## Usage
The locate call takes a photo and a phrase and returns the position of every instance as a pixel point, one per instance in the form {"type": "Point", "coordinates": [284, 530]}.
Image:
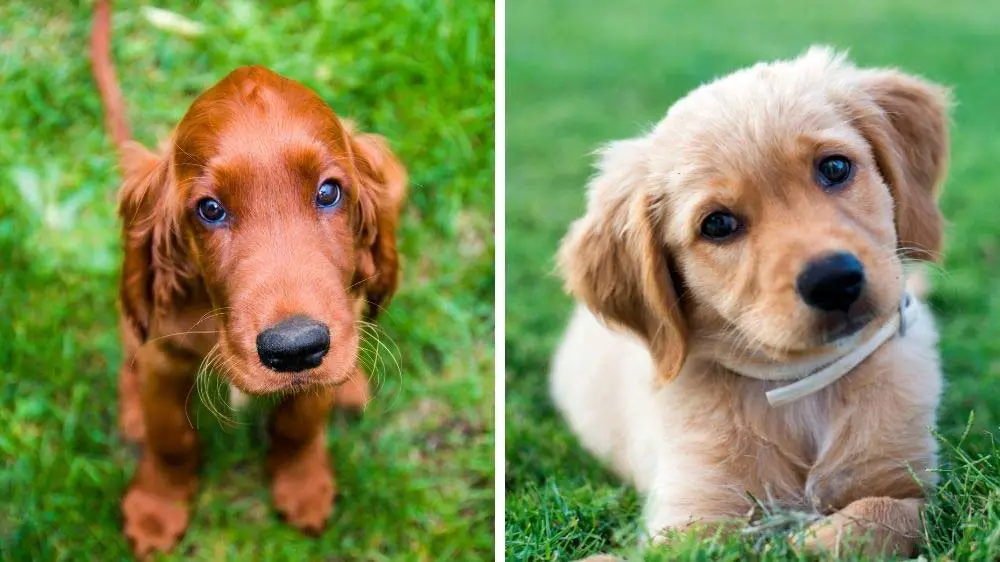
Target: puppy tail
{"type": "Point", "coordinates": [104, 74]}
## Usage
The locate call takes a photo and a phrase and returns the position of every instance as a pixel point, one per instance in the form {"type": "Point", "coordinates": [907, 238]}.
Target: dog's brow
{"type": "Point", "coordinates": [307, 159]}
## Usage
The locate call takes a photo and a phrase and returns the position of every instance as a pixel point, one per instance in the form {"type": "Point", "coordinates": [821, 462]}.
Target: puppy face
{"type": "Point", "coordinates": [786, 235]}
{"type": "Point", "coordinates": [287, 221]}
{"type": "Point", "coordinates": [768, 215]}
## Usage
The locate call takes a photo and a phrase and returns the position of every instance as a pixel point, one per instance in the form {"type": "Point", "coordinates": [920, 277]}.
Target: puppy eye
{"type": "Point", "coordinates": [329, 194]}
{"type": "Point", "coordinates": [211, 211]}
{"type": "Point", "coordinates": [720, 225]}
{"type": "Point", "coordinates": [834, 171]}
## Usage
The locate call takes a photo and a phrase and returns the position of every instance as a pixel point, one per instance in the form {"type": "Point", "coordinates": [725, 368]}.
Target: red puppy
{"type": "Point", "coordinates": [258, 238]}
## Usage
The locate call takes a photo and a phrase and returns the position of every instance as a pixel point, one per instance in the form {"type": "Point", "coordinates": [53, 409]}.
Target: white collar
{"type": "Point", "coordinates": [815, 374]}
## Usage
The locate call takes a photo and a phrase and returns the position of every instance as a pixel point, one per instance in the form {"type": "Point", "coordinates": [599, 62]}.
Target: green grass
{"type": "Point", "coordinates": [416, 472]}
{"type": "Point", "coordinates": [582, 72]}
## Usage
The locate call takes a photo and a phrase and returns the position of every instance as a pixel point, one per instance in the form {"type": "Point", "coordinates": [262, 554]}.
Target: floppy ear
{"type": "Point", "coordinates": [153, 268]}
{"type": "Point", "coordinates": [908, 130]}
{"type": "Point", "coordinates": [614, 261]}
{"type": "Point", "coordinates": [382, 191]}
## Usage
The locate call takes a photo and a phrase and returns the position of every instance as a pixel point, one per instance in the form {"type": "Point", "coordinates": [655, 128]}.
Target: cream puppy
{"type": "Point", "coordinates": [744, 326]}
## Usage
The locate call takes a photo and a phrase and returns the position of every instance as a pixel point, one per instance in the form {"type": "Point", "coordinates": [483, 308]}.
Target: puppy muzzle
{"type": "Point", "coordinates": [816, 373]}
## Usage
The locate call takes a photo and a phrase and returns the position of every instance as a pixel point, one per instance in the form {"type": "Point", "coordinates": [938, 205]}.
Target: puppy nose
{"type": "Point", "coordinates": [294, 344]}
{"type": "Point", "coordinates": [832, 282]}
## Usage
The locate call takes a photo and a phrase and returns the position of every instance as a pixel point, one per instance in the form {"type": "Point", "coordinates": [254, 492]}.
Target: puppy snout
{"type": "Point", "coordinates": [295, 344]}
{"type": "Point", "coordinates": [832, 282]}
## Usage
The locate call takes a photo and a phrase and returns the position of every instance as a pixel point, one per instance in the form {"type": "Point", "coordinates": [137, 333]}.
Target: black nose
{"type": "Point", "coordinates": [294, 344]}
{"type": "Point", "coordinates": [832, 282]}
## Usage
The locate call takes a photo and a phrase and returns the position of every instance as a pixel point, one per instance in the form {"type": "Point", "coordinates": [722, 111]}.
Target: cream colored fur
{"type": "Point", "coordinates": [696, 446]}
{"type": "Point", "coordinates": [642, 387]}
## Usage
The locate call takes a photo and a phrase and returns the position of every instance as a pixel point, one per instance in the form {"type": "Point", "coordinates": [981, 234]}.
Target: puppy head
{"type": "Point", "coordinates": [768, 215]}
{"type": "Point", "coordinates": [284, 217]}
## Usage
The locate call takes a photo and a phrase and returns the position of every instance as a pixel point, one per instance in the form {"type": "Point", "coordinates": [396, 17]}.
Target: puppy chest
{"type": "Point", "coordinates": [788, 445]}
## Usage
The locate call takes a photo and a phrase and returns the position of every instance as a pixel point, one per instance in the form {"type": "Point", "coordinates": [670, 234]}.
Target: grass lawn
{"type": "Point", "coordinates": [416, 471]}
{"type": "Point", "coordinates": [582, 72]}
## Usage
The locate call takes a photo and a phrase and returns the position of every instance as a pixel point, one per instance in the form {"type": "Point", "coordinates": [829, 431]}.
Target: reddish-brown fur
{"type": "Point", "coordinates": [260, 144]}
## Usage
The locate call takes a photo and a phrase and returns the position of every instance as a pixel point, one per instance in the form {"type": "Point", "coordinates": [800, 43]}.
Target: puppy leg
{"type": "Point", "coordinates": [302, 481]}
{"type": "Point", "coordinates": [156, 506]}
{"type": "Point", "coordinates": [871, 527]}
{"type": "Point", "coordinates": [130, 421]}
{"type": "Point", "coordinates": [694, 497]}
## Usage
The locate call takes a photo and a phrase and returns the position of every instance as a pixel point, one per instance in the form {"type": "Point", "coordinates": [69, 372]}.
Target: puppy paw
{"type": "Point", "coordinates": [870, 527]}
{"type": "Point", "coordinates": [836, 535]}
{"type": "Point", "coordinates": [153, 523]}
{"type": "Point", "coordinates": [303, 496]}
{"type": "Point", "coordinates": [822, 537]}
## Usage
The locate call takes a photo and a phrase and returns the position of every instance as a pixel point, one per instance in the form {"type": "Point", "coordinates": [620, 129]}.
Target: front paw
{"type": "Point", "coordinates": [303, 494]}
{"type": "Point", "coordinates": [871, 527]}
{"type": "Point", "coordinates": [835, 535]}
{"type": "Point", "coordinates": [153, 522]}
{"type": "Point", "coordinates": [822, 537]}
